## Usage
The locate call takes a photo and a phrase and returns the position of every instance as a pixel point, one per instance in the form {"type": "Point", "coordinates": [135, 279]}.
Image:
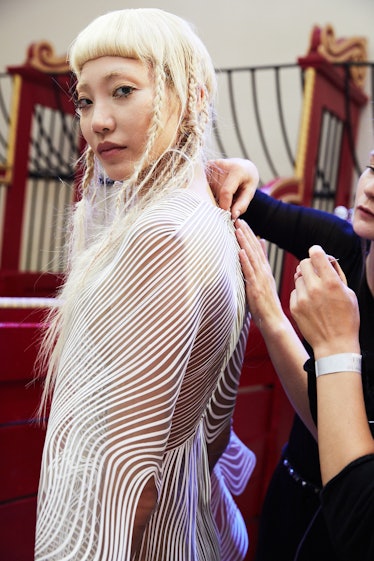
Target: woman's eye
{"type": "Point", "coordinates": [81, 104]}
{"type": "Point", "coordinates": [371, 167]}
{"type": "Point", "coordinates": [123, 91]}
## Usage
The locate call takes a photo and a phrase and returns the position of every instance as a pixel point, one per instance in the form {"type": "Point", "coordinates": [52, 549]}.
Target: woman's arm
{"type": "Point", "coordinates": [296, 228]}
{"type": "Point", "coordinates": [327, 313]}
{"type": "Point", "coordinates": [285, 349]}
{"type": "Point", "coordinates": [292, 227]}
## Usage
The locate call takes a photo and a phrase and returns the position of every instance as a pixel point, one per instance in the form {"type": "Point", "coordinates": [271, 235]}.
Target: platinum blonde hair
{"type": "Point", "coordinates": [180, 65]}
{"type": "Point", "coordinates": [157, 38]}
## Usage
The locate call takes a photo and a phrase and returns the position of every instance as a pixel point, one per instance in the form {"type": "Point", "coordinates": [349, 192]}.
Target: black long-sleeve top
{"type": "Point", "coordinates": [348, 499]}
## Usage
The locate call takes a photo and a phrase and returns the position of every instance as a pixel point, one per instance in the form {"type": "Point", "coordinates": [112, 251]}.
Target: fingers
{"type": "Point", "coordinates": [240, 203]}
{"type": "Point", "coordinates": [297, 274]}
{"type": "Point", "coordinates": [322, 305]}
{"type": "Point", "coordinates": [253, 258]}
{"type": "Point", "coordinates": [246, 254]}
{"type": "Point", "coordinates": [234, 182]}
{"type": "Point", "coordinates": [323, 263]}
{"type": "Point", "coordinates": [254, 248]}
{"type": "Point", "coordinates": [261, 290]}
{"type": "Point", "coordinates": [293, 300]}
{"type": "Point", "coordinates": [319, 283]}
{"type": "Point", "coordinates": [320, 264]}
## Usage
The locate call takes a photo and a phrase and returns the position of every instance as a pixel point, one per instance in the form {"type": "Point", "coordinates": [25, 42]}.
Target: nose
{"type": "Point", "coordinates": [102, 119]}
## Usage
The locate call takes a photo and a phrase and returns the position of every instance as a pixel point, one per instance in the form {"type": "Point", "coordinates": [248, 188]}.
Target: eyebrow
{"type": "Point", "coordinates": [108, 76]}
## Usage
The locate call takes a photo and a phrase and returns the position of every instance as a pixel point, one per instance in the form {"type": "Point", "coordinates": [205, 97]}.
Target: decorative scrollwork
{"type": "Point", "coordinates": [41, 55]}
{"type": "Point", "coordinates": [353, 49]}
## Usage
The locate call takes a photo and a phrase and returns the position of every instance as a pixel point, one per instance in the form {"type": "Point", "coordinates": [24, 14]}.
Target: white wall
{"type": "Point", "coordinates": [236, 32]}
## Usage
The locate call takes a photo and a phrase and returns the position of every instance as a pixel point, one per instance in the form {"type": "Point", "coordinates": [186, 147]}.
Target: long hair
{"type": "Point", "coordinates": [180, 65]}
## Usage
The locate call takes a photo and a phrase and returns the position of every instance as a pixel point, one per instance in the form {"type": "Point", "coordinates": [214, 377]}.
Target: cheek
{"type": "Point", "coordinates": [85, 129]}
{"type": "Point", "coordinates": [359, 190]}
{"type": "Point", "coordinates": [136, 126]}
{"type": "Point", "coordinates": [169, 129]}
{"type": "Point", "coordinates": [363, 225]}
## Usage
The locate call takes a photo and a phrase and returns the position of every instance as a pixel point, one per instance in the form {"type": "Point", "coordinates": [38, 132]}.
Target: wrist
{"type": "Point", "coordinates": [332, 347]}
{"type": "Point", "coordinates": [273, 323]}
{"type": "Point", "coordinates": [340, 362]}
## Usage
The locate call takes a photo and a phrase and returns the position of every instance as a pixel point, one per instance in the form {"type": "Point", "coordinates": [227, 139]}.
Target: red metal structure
{"type": "Point", "coordinates": [32, 210]}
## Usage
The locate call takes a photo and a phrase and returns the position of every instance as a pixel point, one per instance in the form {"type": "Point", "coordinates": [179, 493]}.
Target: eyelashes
{"type": "Point", "coordinates": [123, 91]}
{"type": "Point", "coordinates": [83, 102]}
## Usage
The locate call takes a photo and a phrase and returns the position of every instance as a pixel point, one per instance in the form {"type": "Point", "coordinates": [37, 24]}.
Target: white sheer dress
{"type": "Point", "coordinates": [144, 396]}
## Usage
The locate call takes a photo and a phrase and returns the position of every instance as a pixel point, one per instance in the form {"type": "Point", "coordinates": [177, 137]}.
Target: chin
{"type": "Point", "coordinates": [364, 230]}
{"type": "Point", "coordinates": [117, 173]}
{"type": "Point", "coordinates": [116, 176]}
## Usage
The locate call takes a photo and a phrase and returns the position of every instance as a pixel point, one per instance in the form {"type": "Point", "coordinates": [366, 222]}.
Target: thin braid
{"type": "Point", "coordinates": [189, 141]}
{"type": "Point", "coordinates": [198, 107]}
{"type": "Point", "coordinates": [205, 115]}
{"type": "Point", "coordinates": [192, 130]}
{"type": "Point", "coordinates": [144, 184]}
{"type": "Point", "coordinates": [192, 103]}
{"type": "Point", "coordinates": [89, 168]}
{"type": "Point", "coordinates": [160, 80]}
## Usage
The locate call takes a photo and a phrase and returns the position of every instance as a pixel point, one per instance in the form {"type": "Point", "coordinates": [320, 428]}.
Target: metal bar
{"type": "Point", "coordinates": [235, 117]}
{"type": "Point", "coordinates": [281, 117]}
{"type": "Point", "coordinates": [259, 126]}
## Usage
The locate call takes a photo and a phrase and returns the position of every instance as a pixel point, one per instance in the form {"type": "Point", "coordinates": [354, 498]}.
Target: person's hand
{"type": "Point", "coordinates": [261, 290]}
{"type": "Point", "coordinates": [233, 182]}
{"type": "Point", "coordinates": [322, 305]}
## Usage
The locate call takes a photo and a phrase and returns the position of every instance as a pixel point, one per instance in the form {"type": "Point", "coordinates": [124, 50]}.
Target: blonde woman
{"type": "Point", "coordinates": [146, 349]}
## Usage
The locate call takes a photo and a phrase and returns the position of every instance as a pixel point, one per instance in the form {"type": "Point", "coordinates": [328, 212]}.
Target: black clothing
{"type": "Point", "coordinates": [348, 507]}
{"type": "Point", "coordinates": [347, 499]}
{"type": "Point", "coordinates": [292, 525]}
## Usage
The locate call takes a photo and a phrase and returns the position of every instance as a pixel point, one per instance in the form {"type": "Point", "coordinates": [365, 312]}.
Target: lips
{"type": "Point", "coordinates": [108, 149]}
{"type": "Point", "coordinates": [365, 211]}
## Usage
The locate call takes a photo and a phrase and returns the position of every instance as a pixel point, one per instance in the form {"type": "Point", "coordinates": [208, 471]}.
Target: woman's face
{"type": "Point", "coordinates": [115, 104]}
{"type": "Point", "coordinates": [363, 215]}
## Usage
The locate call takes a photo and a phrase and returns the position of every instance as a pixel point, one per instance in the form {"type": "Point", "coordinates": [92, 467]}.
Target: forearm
{"type": "Point", "coordinates": [295, 228]}
{"type": "Point", "coordinates": [327, 313]}
{"type": "Point", "coordinates": [343, 429]}
{"type": "Point", "coordinates": [288, 356]}
{"type": "Point", "coordinates": [285, 349]}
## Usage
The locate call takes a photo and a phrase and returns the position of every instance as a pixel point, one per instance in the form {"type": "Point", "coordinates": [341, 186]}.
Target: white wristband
{"type": "Point", "coordinates": [344, 362]}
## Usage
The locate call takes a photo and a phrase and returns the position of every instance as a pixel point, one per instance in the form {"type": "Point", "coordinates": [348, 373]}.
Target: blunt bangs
{"type": "Point", "coordinates": [152, 36]}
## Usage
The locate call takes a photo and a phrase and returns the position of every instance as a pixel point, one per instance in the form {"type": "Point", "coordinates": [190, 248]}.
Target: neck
{"type": "Point", "coordinates": [200, 184]}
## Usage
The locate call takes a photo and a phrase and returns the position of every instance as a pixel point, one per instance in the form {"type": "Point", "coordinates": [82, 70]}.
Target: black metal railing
{"type": "Point", "coordinates": [257, 107]}
{"type": "Point", "coordinates": [5, 102]}
{"type": "Point", "coordinates": [259, 110]}
{"type": "Point", "coordinates": [259, 114]}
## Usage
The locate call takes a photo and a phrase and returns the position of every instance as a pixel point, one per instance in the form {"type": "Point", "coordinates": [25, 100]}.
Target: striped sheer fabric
{"type": "Point", "coordinates": [144, 395]}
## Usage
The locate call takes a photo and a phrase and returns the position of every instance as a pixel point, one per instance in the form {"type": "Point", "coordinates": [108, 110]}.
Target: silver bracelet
{"type": "Point", "coordinates": [344, 362]}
